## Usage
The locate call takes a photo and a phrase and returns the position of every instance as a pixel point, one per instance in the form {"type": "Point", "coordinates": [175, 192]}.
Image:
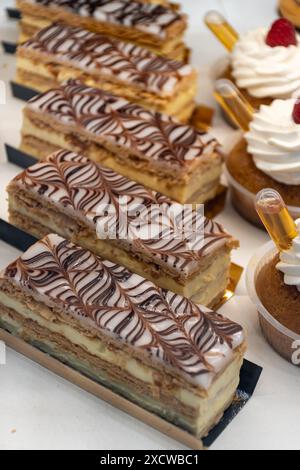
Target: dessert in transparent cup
{"type": "Point", "coordinates": [283, 340]}
{"type": "Point", "coordinates": [244, 201]}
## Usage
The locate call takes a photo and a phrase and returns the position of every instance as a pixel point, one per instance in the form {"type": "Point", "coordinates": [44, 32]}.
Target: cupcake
{"type": "Point", "coordinates": [290, 9]}
{"type": "Point", "coordinates": [278, 286]}
{"type": "Point", "coordinates": [265, 64]}
{"type": "Point", "coordinates": [268, 157]}
{"type": "Point", "coordinates": [273, 280]}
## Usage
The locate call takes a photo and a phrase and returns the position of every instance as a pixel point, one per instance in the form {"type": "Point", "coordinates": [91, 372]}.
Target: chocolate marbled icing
{"type": "Point", "coordinates": [105, 117]}
{"type": "Point", "coordinates": [84, 190]}
{"type": "Point", "coordinates": [106, 56]}
{"type": "Point", "coordinates": [148, 18]}
{"type": "Point", "coordinates": [192, 340]}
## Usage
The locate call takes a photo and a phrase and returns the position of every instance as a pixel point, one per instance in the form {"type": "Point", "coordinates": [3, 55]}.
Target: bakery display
{"type": "Point", "coordinates": [290, 9]}
{"type": "Point", "coordinates": [263, 62]}
{"type": "Point", "coordinates": [58, 53]}
{"type": "Point", "coordinates": [156, 27]}
{"type": "Point", "coordinates": [124, 222]}
{"type": "Point", "coordinates": [147, 147]}
{"type": "Point", "coordinates": [157, 349]}
{"type": "Point", "coordinates": [273, 275]}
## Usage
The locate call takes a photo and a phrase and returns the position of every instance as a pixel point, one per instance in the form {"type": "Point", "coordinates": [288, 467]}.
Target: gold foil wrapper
{"type": "Point", "coordinates": [216, 205]}
{"type": "Point", "coordinates": [202, 118]}
{"type": "Point", "coordinates": [235, 275]}
{"type": "Point", "coordinates": [236, 272]}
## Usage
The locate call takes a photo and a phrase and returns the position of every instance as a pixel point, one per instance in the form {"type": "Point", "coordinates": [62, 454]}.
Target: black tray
{"type": "Point", "coordinates": [13, 13]}
{"type": "Point", "coordinates": [22, 92]}
{"type": "Point", "coordinates": [19, 158]}
{"type": "Point", "coordinates": [9, 47]}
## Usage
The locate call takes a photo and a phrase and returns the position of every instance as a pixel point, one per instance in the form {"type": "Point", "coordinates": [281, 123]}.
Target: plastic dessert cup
{"type": "Point", "coordinates": [278, 336]}
{"type": "Point", "coordinates": [244, 201]}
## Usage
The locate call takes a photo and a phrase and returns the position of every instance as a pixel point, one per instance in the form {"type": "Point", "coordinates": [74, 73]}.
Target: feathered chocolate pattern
{"type": "Point", "coordinates": [103, 55]}
{"type": "Point", "coordinates": [194, 341]}
{"type": "Point", "coordinates": [94, 194]}
{"type": "Point", "coordinates": [107, 118]}
{"type": "Point", "coordinates": [148, 18]}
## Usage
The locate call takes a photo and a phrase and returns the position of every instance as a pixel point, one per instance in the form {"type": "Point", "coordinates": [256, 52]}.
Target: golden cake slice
{"type": "Point", "coordinates": [159, 28]}
{"type": "Point", "coordinates": [157, 349]}
{"type": "Point", "coordinates": [172, 245]}
{"type": "Point", "coordinates": [148, 147]}
{"type": "Point", "coordinates": [59, 52]}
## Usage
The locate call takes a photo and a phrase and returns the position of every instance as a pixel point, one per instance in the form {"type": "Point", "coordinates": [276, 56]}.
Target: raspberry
{"type": "Point", "coordinates": [296, 112]}
{"type": "Point", "coordinates": [282, 33]}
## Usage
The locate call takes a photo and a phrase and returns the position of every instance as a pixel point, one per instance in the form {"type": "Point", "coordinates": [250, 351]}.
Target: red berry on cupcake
{"type": "Point", "coordinates": [296, 112]}
{"type": "Point", "coordinates": [282, 33]}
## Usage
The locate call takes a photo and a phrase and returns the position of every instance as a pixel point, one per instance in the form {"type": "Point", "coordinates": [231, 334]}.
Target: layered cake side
{"type": "Point", "coordinates": [68, 194]}
{"type": "Point", "coordinates": [281, 297]}
{"type": "Point", "coordinates": [58, 53]}
{"type": "Point", "coordinates": [159, 28]}
{"type": "Point", "coordinates": [158, 349]}
{"type": "Point", "coordinates": [148, 147]}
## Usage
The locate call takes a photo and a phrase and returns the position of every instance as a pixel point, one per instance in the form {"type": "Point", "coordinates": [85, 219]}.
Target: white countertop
{"type": "Point", "coordinates": [41, 411]}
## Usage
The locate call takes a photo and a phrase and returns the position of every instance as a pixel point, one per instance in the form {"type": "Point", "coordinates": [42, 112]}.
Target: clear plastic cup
{"type": "Point", "coordinates": [283, 340]}
{"type": "Point", "coordinates": [244, 201]}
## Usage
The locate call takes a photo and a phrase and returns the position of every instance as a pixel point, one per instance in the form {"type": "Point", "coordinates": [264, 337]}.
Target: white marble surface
{"type": "Point", "coordinates": [41, 411]}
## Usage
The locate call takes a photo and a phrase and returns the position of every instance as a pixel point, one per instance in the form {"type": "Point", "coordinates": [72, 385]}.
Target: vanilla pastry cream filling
{"type": "Point", "coordinates": [97, 54]}
{"type": "Point", "coordinates": [181, 104]}
{"type": "Point", "coordinates": [174, 46]}
{"type": "Point", "coordinates": [204, 288]}
{"type": "Point", "coordinates": [187, 358]}
{"type": "Point", "coordinates": [201, 185]}
{"type": "Point", "coordinates": [157, 22]}
{"type": "Point", "coordinates": [60, 52]}
{"type": "Point", "coordinates": [173, 49]}
{"type": "Point", "coordinates": [207, 409]}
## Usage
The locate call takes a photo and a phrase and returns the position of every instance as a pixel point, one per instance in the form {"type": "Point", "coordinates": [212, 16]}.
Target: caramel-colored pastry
{"type": "Point", "coordinates": [280, 299]}
{"type": "Point", "coordinates": [277, 285]}
{"type": "Point", "coordinates": [70, 195]}
{"type": "Point", "coordinates": [156, 27]}
{"type": "Point", "coordinates": [267, 157]}
{"type": "Point", "coordinates": [159, 350]}
{"type": "Point", "coordinates": [58, 53]}
{"type": "Point", "coordinates": [290, 9]}
{"type": "Point", "coordinates": [147, 147]}
{"type": "Point", "coordinates": [242, 168]}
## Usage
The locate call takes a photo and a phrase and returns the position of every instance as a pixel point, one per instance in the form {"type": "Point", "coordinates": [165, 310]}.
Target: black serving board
{"type": "Point", "coordinates": [22, 92]}
{"type": "Point", "coordinates": [9, 47]}
{"type": "Point", "coordinates": [13, 13]}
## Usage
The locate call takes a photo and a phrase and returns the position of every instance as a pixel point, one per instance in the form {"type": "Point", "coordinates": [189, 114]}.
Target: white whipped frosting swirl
{"type": "Point", "coordinates": [264, 71]}
{"type": "Point", "coordinates": [274, 141]}
{"type": "Point", "coordinates": [289, 263]}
